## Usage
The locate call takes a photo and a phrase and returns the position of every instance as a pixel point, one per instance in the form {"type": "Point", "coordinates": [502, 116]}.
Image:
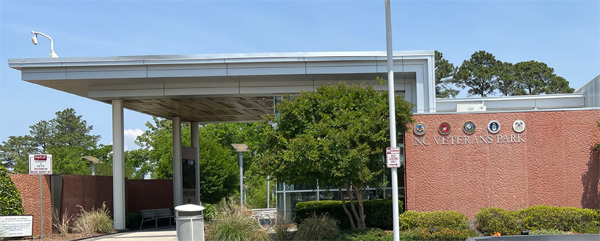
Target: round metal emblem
{"type": "Point", "coordinates": [419, 129]}
{"type": "Point", "coordinates": [494, 126]}
{"type": "Point", "coordinates": [444, 128]}
{"type": "Point", "coordinates": [519, 126]}
{"type": "Point", "coordinates": [469, 127]}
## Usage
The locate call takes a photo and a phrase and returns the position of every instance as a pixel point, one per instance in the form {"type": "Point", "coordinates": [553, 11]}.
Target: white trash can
{"type": "Point", "coordinates": [189, 222]}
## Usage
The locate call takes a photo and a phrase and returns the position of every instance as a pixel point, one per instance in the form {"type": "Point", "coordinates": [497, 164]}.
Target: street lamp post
{"type": "Point", "coordinates": [94, 161]}
{"type": "Point", "coordinates": [392, 109]}
{"type": "Point", "coordinates": [240, 148]}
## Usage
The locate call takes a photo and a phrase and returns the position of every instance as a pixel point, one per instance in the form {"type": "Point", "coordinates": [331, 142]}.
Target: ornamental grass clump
{"type": "Point", "coordinates": [95, 221]}
{"type": "Point", "coordinates": [317, 227]}
{"type": "Point", "coordinates": [283, 228]}
{"type": "Point", "coordinates": [230, 222]}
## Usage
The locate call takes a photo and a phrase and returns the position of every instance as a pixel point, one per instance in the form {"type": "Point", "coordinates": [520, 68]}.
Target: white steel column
{"type": "Point", "coordinates": [118, 165]}
{"type": "Point", "coordinates": [177, 175]}
{"type": "Point", "coordinates": [196, 145]}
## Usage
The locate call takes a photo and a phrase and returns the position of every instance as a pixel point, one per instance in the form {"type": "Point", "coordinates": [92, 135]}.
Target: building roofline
{"type": "Point", "coordinates": [18, 63]}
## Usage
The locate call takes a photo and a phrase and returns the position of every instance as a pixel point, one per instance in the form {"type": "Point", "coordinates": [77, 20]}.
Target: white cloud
{"type": "Point", "coordinates": [129, 138]}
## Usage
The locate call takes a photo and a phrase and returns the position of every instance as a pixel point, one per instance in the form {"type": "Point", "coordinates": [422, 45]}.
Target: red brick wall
{"type": "Point", "coordinates": [87, 191]}
{"type": "Point", "coordinates": [148, 194]}
{"type": "Point", "coordinates": [29, 186]}
{"type": "Point", "coordinates": [552, 163]}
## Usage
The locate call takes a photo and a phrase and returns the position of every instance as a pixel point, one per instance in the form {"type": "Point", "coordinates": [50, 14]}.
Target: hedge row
{"type": "Point", "coordinates": [492, 220]}
{"type": "Point", "coordinates": [439, 219]}
{"type": "Point", "coordinates": [378, 212]}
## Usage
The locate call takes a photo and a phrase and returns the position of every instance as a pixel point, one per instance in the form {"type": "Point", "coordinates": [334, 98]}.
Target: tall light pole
{"type": "Point", "coordinates": [391, 96]}
{"type": "Point", "coordinates": [34, 40]}
{"type": "Point", "coordinates": [240, 148]}
{"type": "Point", "coordinates": [94, 161]}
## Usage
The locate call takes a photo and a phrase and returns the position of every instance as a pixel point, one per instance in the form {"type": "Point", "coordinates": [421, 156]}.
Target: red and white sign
{"type": "Point", "coordinates": [40, 164]}
{"type": "Point", "coordinates": [393, 157]}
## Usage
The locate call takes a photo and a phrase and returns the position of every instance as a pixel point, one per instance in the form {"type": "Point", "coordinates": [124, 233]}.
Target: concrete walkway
{"type": "Point", "coordinates": [167, 234]}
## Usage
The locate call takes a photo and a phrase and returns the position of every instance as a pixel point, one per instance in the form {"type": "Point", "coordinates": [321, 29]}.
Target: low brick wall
{"type": "Point", "coordinates": [89, 192]}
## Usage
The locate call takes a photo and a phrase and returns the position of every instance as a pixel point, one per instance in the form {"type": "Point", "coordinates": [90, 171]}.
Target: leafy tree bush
{"type": "Point", "coordinates": [317, 227]}
{"type": "Point", "coordinates": [439, 219]}
{"type": "Point", "coordinates": [10, 197]}
{"type": "Point", "coordinates": [379, 212]}
{"type": "Point", "coordinates": [336, 135]}
{"type": "Point", "coordinates": [494, 220]}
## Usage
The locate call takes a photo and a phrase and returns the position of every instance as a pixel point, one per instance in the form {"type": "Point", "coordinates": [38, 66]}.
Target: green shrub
{"type": "Point", "coordinates": [93, 221]}
{"type": "Point", "coordinates": [371, 234]}
{"type": "Point", "coordinates": [442, 234]}
{"type": "Point", "coordinates": [317, 227]}
{"type": "Point", "coordinates": [378, 212]}
{"type": "Point", "coordinates": [546, 232]}
{"type": "Point", "coordinates": [492, 220]}
{"type": "Point", "coordinates": [559, 218]}
{"type": "Point", "coordinates": [209, 211]}
{"type": "Point", "coordinates": [439, 219]}
{"type": "Point", "coordinates": [10, 198]}
{"type": "Point", "coordinates": [566, 219]}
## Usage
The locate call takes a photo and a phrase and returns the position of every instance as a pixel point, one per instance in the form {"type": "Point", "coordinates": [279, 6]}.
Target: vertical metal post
{"type": "Point", "coordinates": [177, 163]}
{"type": "Point", "coordinates": [41, 210]}
{"type": "Point", "coordinates": [241, 160]}
{"type": "Point", "coordinates": [196, 145]}
{"type": "Point", "coordinates": [268, 191]}
{"type": "Point", "coordinates": [93, 169]}
{"type": "Point", "coordinates": [392, 95]}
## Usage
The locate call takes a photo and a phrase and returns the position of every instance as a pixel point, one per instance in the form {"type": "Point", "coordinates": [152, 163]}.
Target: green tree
{"type": "Point", "coordinates": [10, 197]}
{"type": "Point", "coordinates": [15, 153]}
{"type": "Point", "coordinates": [336, 135]}
{"type": "Point", "coordinates": [506, 79]}
{"type": "Point", "coordinates": [70, 139]}
{"type": "Point", "coordinates": [218, 163]}
{"type": "Point", "coordinates": [444, 71]}
{"type": "Point", "coordinates": [479, 73]}
{"type": "Point", "coordinates": [534, 78]}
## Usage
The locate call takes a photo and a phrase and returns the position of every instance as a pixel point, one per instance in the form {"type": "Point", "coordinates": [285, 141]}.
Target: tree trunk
{"type": "Point", "coordinates": [358, 226]}
{"type": "Point", "coordinates": [361, 209]}
{"type": "Point", "coordinates": [352, 225]}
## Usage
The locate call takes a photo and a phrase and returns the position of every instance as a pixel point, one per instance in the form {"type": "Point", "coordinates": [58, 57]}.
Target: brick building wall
{"type": "Point", "coordinates": [551, 162]}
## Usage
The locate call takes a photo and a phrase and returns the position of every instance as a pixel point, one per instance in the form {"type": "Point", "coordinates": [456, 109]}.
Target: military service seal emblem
{"type": "Point", "coordinates": [419, 129]}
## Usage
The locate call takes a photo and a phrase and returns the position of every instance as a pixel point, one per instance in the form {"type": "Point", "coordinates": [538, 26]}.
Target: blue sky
{"type": "Point", "coordinates": [563, 34]}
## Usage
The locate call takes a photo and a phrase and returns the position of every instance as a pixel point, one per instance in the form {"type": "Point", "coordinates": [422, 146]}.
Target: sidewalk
{"type": "Point", "coordinates": [166, 234]}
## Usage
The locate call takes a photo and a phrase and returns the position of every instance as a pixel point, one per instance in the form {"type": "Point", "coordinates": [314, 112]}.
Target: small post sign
{"type": "Point", "coordinates": [40, 164]}
{"type": "Point", "coordinates": [393, 157]}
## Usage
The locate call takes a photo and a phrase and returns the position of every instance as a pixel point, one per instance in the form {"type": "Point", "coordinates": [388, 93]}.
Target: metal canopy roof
{"type": "Point", "coordinates": [220, 87]}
